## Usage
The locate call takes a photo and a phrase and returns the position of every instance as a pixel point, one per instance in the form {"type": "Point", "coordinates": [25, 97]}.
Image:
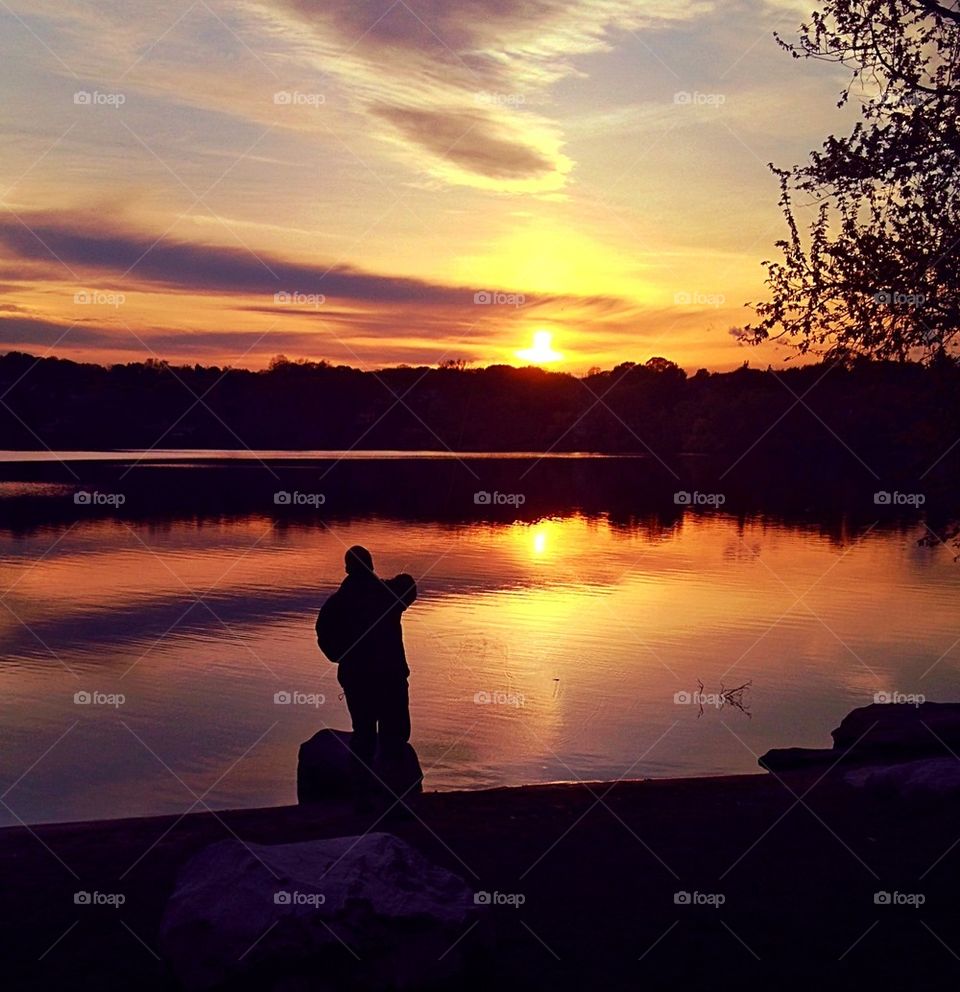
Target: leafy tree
{"type": "Point", "coordinates": [876, 271]}
{"type": "Point", "coordinates": [664, 366]}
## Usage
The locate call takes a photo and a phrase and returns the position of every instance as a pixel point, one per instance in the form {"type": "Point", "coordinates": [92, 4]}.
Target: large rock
{"type": "Point", "coordinates": [882, 731]}
{"type": "Point", "coordinates": [326, 770]}
{"type": "Point", "coordinates": [900, 729]}
{"type": "Point", "coordinates": [929, 779]}
{"type": "Point", "coordinates": [367, 912]}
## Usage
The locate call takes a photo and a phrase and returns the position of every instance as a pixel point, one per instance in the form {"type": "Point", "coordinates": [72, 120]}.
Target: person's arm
{"type": "Point", "coordinates": [404, 587]}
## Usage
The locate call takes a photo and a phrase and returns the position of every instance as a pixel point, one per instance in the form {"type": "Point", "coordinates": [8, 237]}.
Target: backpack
{"type": "Point", "coordinates": [333, 638]}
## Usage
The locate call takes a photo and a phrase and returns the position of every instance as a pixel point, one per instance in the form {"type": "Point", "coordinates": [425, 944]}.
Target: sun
{"type": "Point", "coordinates": [541, 352]}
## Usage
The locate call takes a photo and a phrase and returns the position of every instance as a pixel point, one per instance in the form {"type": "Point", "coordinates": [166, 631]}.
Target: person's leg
{"type": "Point", "coordinates": [393, 714]}
{"type": "Point", "coordinates": [363, 740]}
{"type": "Point", "coordinates": [398, 764]}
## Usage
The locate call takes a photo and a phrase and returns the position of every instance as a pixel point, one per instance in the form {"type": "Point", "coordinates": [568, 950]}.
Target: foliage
{"type": "Point", "coordinates": [876, 271]}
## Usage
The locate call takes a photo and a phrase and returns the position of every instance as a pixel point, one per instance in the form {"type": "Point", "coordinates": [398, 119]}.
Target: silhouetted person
{"type": "Point", "coordinates": [359, 629]}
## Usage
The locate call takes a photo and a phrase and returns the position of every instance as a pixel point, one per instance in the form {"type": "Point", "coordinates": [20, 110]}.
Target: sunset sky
{"type": "Point", "coordinates": [220, 182]}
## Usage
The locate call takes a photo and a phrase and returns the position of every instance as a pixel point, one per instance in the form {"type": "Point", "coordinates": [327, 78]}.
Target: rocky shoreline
{"type": "Point", "coordinates": [882, 732]}
{"type": "Point", "coordinates": [836, 868]}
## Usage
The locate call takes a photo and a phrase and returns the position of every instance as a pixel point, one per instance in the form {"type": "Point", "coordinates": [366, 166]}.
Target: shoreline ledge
{"type": "Point", "coordinates": [811, 868]}
{"type": "Point", "coordinates": [880, 734]}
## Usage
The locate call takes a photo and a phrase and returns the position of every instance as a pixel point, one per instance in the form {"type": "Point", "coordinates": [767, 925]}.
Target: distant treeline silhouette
{"type": "Point", "coordinates": [885, 415]}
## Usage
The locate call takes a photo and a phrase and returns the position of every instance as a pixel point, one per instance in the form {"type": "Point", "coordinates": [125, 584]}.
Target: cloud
{"type": "Point", "coordinates": [82, 246]}
{"type": "Point", "coordinates": [180, 298]}
{"type": "Point", "coordinates": [470, 141]}
{"type": "Point", "coordinates": [462, 91]}
{"type": "Point", "coordinates": [499, 39]}
{"type": "Point", "coordinates": [32, 333]}
{"type": "Point", "coordinates": [85, 245]}
{"type": "Point", "coordinates": [251, 348]}
{"type": "Point", "coordinates": [464, 86]}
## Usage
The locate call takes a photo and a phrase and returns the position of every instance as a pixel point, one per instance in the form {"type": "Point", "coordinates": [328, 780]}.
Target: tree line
{"type": "Point", "coordinates": [879, 414]}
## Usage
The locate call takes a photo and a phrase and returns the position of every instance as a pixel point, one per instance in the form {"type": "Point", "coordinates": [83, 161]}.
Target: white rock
{"type": "Point", "coordinates": [928, 778]}
{"type": "Point", "coordinates": [367, 912]}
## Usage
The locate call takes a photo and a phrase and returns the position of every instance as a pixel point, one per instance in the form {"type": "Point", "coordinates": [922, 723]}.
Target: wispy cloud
{"type": "Point", "coordinates": [398, 156]}
{"type": "Point", "coordinates": [85, 244]}
{"type": "Point", "coordinates": [313, 309]}
{"type": "Point", "coordinates": [461, 90]}
{"type": "Point", "coordinates": [139, 259]}
{"type": "Point", "coordinates": [465, 86]}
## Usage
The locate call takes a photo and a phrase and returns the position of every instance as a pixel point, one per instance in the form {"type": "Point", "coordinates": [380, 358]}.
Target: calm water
{"type": "Point", "coordinates": [580, 632]}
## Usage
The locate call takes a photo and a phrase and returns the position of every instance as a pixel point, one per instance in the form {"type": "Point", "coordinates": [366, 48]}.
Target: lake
{"type": "Point", "coordinates": [557, 641]}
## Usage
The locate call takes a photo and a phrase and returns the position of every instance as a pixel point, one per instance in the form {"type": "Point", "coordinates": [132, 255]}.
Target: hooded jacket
{"type": "Point", "coordinates": [359, 629]}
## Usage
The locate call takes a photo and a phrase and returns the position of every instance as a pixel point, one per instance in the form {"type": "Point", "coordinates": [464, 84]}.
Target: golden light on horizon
{"type": "Point", "coordinates": [541, 352]}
